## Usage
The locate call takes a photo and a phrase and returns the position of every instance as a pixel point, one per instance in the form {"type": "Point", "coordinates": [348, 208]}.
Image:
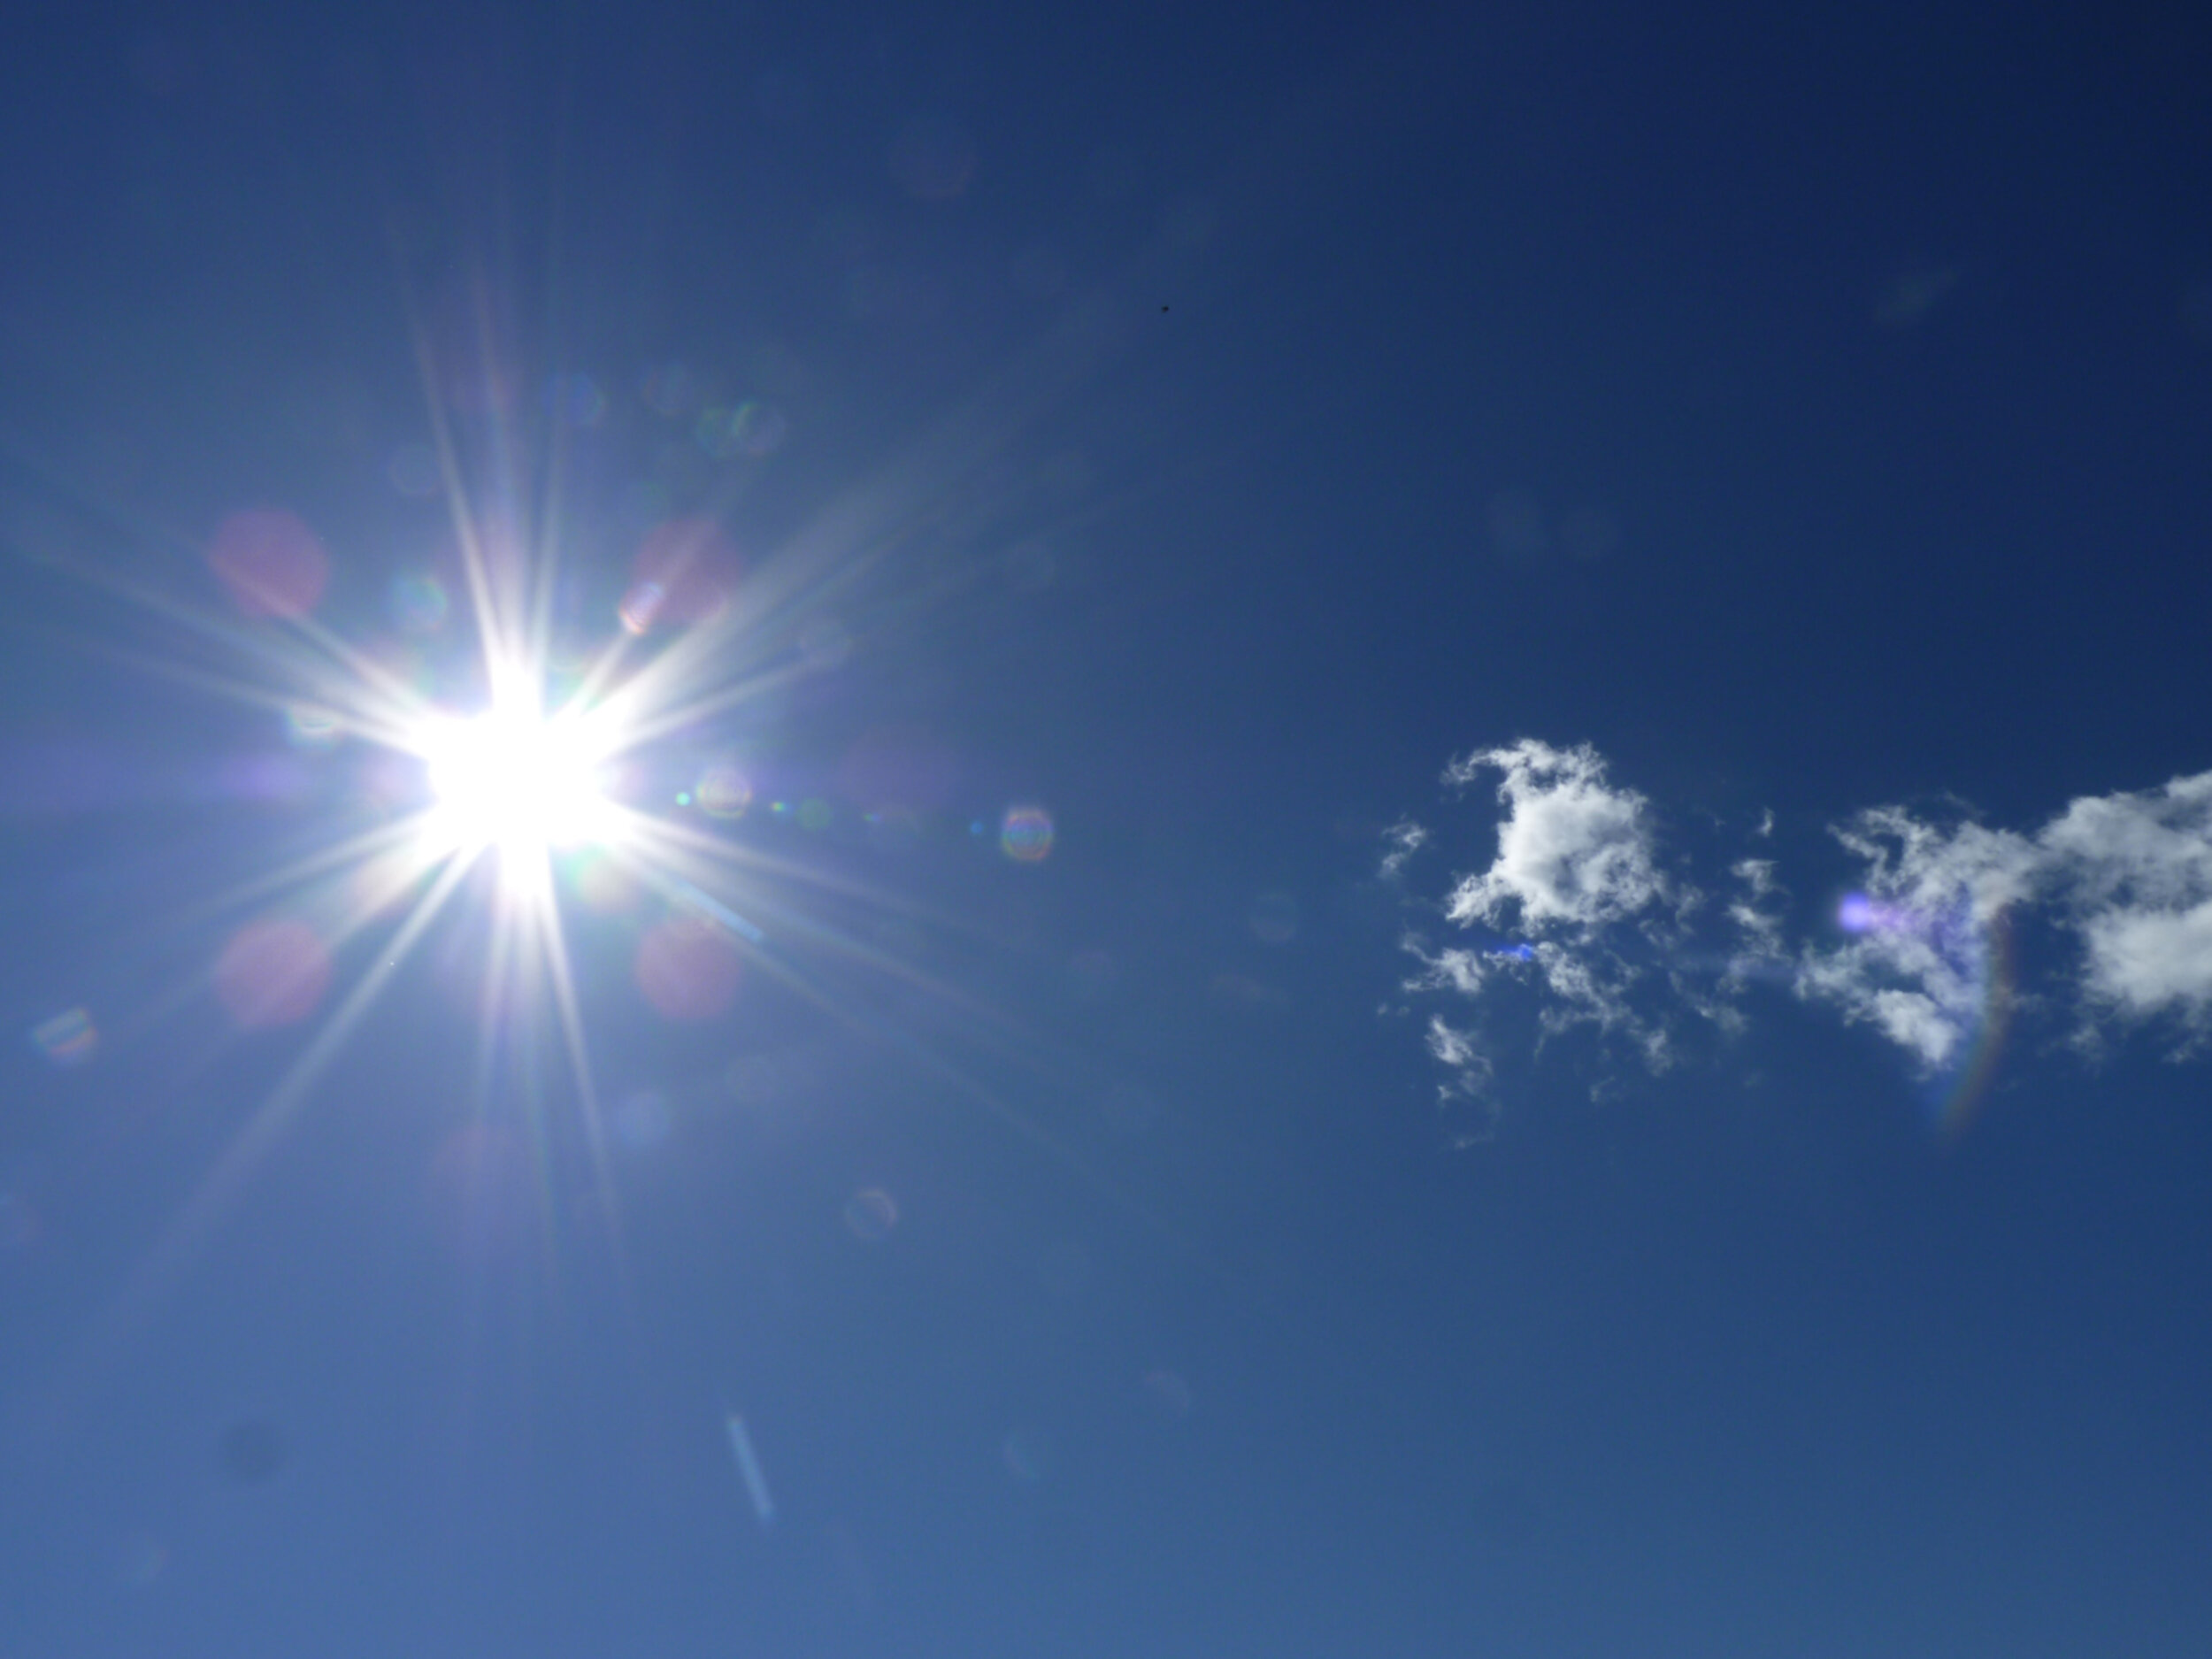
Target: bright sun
{"type": "Point", "coordinates": [516, 780]}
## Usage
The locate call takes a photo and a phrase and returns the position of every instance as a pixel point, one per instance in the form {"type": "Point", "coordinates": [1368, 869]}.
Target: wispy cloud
{"type": "Point", "coordinates": [1404, 839]}
{"type": "Point", "coordinates": [1917, 959]}
{"type": "Point", "coordinates": [1582, 919]}
{"type": "Point", "coordinates": [1572, 923]}
{"type": "Point", "coordinates": [1753, 910]}
{"type": "Point", "coordinates": [1466, 1104]}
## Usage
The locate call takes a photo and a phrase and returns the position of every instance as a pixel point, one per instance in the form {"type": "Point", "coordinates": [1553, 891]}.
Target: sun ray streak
{"type": "Point", "coordinates": [373, 696]}
{"type": "Point", "coordinates": [494, 996]}
{"type": "Point", "coordinates": [645, 838]}
{"type": "Point", "coordinates": [546, 911]}
{"type": "Point", "coordinates": [355, 851]}
{"type": "Point", "coordinates": [459, 511]}
{"type": "Point", "coordinates": [215, 1193]}
{"type": "Point", "coordinates": [388, 729]}
{"type": "Point", "coordinates": [802, 925]}
{"type": "Point", "coordinates": [641, 726]}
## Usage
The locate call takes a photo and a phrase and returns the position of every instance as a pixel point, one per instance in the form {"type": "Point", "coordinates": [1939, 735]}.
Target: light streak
{"type": "Point", "coordinates": [748, 1466]}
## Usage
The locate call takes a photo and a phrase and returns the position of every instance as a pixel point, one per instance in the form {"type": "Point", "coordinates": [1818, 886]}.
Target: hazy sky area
{"type": "Point", "coordinates": [970, 832]}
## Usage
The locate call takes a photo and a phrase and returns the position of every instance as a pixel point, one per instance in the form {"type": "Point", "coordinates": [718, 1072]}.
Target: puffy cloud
{"type": "Point", "coordinates": [1924, 867]}
{"type": "Point", "coordinates": [1572, 919]}
{"type": "Point", "coordinates": [2145, 962]}
{"type": "Point", "coordinates": [1925, 999]}
{"type": "Point", "coordinates": [1573, 848]}
{"type": "Point", "coordinates": [2136, 871]}
{"type": "Point", "coordinates": [1577, 922]}
{"type": "Point", "coordinates": [2128, 876]}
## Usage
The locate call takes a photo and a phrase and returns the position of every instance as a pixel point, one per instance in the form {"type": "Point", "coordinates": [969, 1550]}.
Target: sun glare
{"type": "Point", "coordinates": [516, 780]}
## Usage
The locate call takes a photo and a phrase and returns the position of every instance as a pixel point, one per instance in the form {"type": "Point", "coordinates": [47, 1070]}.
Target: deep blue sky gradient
{"type": "Point", "coordinates": [1267, 324]}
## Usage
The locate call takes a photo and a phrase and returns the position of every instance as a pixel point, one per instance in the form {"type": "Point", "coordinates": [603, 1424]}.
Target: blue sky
{"type": "Point", "coordinates": [1394, 832]}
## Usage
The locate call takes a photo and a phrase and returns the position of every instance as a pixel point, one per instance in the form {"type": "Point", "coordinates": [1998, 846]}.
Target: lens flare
{"type": "Point", "coordinates": [1980, 956]}
{"type": "Point", "coordinates": [1957, 1105]}
{"type": "Point", "coordinates": [1025, 834]}
{"type": "Point", "coordinates": [570, 747]}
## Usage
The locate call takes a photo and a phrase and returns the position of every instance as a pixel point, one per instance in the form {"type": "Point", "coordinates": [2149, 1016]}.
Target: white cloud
{"type": "Point", "coordinates": [1926, 868]}
{"type": "Point", "coordinates": [1753, 910]}
{"type": "Point", "coordinates": [1404, 839]}
{"type": "Point", "coordinates": [1592, 986]}
{"type": "Point", "coordinates": [1451, 968]}
{"type": "Point", "coordinates": [1573, 848]}
{"type": "Point", "coordinates": [1456, 1049]}
{"type": "Point", "coordinates": [1919, 967]}
{"type": "Point", "coordinates": [1572, 920]}
{"type": "Point", "coordinates": [1577, 923]}
{"type": "Point", "coordinates": [1466, 1104]}
{"type": "Point", "coordinates": [2137, 871]}
{"type": "Point", "coordinates": [2148, 962]}
{"type": "Point", "coordinates": [1924, 1003]}
{"type": "Point", "coordinates": [2127, 875]}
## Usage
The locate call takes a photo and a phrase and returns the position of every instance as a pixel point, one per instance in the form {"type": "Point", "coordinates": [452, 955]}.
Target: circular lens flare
{"type": "Point", "coordinates": [514, 779]}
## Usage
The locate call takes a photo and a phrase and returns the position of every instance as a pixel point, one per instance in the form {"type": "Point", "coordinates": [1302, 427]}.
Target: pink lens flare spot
{"type": "Point", "coordinates": [640, 606]}
{"type": "Point", "coordinates": [687, 968]}
{"type": "Point", "coordinates": [270, 562]}
{"type": "Point", "coordinates": [604, 885]}
{"type": "Point", "coordinates": [272, 974]}
{"type": "Point", "coordinates": [692, 567]}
